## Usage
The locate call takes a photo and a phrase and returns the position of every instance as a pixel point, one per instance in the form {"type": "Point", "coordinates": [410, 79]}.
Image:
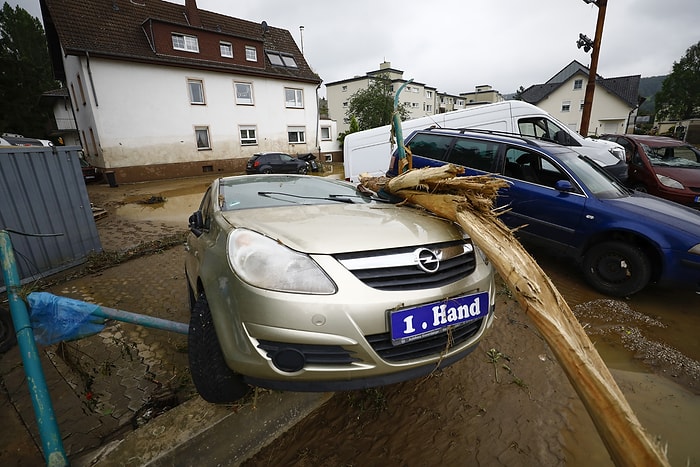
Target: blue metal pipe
{"type": "Point", "coordinates": [398, 132]}
{"type": "Point", "coordinates": [143, 320]}
{"type": "Point", "coordinates": [54, 454]}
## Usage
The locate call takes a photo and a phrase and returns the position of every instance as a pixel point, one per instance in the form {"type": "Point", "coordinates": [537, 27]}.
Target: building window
{"type": "Point", "coordinates": [294, 98]}
{"type": "Point", "coordinates": [566, 106]}
{"type": "Point", "coordinates": [296, 134]}
{"type": "Point", "coordinates": [186, 43]}
{"type": "Point", "coordinates": [244, 93]}
{"type": "Point", "coordinates": [344, 88]}
{"type": "Point", "coordinates": [196, 88]}
{"type": "Point", "coordinates": [248, 135]}
{"type": "Point", "coordinates": [428, 108]}
{"type": "Point", "coordinates": [429, 94]}
{"type": "Point", "coordinates": [201, 134]}
{"type": "Point", "coordinates": [581, 107]}
{"type": "Point", "coordinates": [226, 49]}
{"type": "Point", "coordinates": [345, 104]}
{"type": "Point", "coordinates": [578, 84]}
{"type": "Point", "coordinates": [280, 59]}
{"type": "Point", "coordinates": [251, 53]}
{"type": "Point", "coordinates": [325, 133]}
{"type": "Point", "coordinates": [414, 105]}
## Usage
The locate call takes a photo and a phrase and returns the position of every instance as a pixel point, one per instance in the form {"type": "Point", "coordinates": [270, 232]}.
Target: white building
{"type": "Point", "coordinates": [163, 90]}
{"type": "Point", "coordinates": [615, 100]}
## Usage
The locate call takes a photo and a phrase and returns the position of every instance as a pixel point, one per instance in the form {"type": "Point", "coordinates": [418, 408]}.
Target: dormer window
{"type": "Point", "coordinates": [226, 49]}
{"type": "Point", "coordinates": [251, 53]}
{"type": "Point", "coordinates": [186, 43]}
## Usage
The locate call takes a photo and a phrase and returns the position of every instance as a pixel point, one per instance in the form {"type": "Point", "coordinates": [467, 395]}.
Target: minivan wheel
{"type": "Point", "coordinates": [214, 380]}
{"type": "Point", "coordinates": [616, 268]}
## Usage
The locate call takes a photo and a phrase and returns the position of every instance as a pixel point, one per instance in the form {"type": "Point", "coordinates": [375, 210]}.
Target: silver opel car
{"type": "Point", "coordinates": [304, 283]}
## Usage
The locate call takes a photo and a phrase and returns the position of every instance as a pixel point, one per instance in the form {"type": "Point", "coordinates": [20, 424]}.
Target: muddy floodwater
{"type": "Point", "coordinates": [649, 341]}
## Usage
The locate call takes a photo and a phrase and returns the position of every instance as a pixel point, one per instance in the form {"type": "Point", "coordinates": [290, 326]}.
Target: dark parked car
{"type": "Point", "coordinates": [275, 163]}
{"type": "Point", "coordinates": [623, 240]}
{"type": "Point", "coordinates": [304, 283]}
{"type": "Point", "coordinates": [662, 166]}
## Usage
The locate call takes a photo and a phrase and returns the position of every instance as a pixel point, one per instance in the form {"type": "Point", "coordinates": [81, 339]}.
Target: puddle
{"type": "Point", "coordinates": [175, 208]}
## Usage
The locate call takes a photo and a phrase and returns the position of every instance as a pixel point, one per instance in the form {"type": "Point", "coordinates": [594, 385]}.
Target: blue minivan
{"type": "Point", "coordinates": [623, 240]}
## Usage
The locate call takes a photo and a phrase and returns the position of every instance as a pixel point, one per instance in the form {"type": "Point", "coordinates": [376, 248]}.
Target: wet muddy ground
{"type": "Point", "coordinates": [649, 341]}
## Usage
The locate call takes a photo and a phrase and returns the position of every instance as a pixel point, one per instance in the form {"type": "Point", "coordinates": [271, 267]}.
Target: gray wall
{"type": "Point", "coordinates": [42, 192]}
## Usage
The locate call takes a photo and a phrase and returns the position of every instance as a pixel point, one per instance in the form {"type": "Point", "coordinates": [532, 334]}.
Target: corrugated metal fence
{"type": "Point", "coordinates": [42, 194]}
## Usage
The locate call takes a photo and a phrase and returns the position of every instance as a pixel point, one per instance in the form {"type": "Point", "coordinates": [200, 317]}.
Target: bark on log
{"type": "Point", "coordinates": [469, 202]}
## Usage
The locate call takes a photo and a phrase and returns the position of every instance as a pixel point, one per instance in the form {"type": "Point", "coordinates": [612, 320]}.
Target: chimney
{"type": "Point", "coordinates": [192, 13]}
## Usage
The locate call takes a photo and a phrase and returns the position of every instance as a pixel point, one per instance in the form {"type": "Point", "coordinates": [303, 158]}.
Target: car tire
{"type": "Point", "coordinates": [190, 294]}
{"type": "Point", "coordinates": [214, 380]}
{"type": "Point", "coordinates": [266, 170]}
{"type": "Point", "coordinates": [8, 338]}
{"type": "Point", "coordinates": [303, 170]}
{"type": "Point", "coordinates": [616, 268]}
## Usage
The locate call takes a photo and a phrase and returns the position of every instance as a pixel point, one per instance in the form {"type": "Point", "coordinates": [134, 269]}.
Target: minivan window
{"type": "Point", "coordinates": [430, 145]}
{"type": "Point", "coordinates": [544, 128]}
{"type": "Point", "coordinates": [480, 155]}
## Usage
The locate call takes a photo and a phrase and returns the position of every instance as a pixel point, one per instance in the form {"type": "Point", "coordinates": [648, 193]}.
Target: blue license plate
{"type": "Point", "coordinates": [697, 199]}
{"type": "Point", "coordinates": [417, 322]}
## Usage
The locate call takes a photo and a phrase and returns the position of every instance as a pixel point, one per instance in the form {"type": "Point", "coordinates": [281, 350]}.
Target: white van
{"type": "Point", "coordinates": [369, 151]}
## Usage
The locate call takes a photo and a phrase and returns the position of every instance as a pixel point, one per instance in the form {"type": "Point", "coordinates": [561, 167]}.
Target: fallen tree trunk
{"type": "Point", "coordinates": [469, 202]}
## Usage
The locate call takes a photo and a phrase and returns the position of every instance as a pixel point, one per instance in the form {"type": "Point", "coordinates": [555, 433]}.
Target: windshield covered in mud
{"type": "Point", "coordinates": [673, 156]}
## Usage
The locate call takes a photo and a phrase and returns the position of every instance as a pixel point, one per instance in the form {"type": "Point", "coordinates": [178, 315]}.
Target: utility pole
{"type": "Point", "coordinates": [590, 86]}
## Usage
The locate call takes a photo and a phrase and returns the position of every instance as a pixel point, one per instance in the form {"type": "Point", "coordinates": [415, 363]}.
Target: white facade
{"type": "Point", "coordinates": [133, 114]}
{"type": "Point", "coordinates": [609, 113]}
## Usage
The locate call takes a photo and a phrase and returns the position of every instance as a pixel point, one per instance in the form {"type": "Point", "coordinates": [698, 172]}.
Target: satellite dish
{"type": "Point", "coordinates": [264, 27]}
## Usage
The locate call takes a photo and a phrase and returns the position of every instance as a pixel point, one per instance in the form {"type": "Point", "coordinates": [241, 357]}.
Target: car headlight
{"type": "Point", "coordinates": [695, 250]}
{"type": "Point", "coordinates": [669, 182]}
{"type": "Point", "coordinates": [263, 262]}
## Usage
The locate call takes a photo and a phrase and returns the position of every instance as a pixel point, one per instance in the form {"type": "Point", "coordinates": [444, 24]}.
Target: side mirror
{"type": "Point", "coordinates": [196, 223]}
{"type": "Point", "coordinates": [564, 185]}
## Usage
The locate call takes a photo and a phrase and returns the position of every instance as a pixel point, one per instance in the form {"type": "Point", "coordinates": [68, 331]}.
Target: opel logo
{"type": "Point", "coordinates": [427, 260]}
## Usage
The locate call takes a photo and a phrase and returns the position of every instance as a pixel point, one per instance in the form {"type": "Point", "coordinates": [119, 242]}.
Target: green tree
{"type": "Point", "coordinates": [25, 73]}
{"type": "Point", "coordinates": [354, 127]}
{"type": "Point", "coordinates": [679, 97]}
{"type": "Point", "coordinates": [373, 106]}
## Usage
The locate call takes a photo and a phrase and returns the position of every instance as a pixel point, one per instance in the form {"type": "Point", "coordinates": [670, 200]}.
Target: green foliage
{"type": "Point", "coordinates": [679, 97]}
{"type": "Point", "coordinates": [354, 127]}
{"type": "Point", "coordinates": [25, 73]}
{"type": "Point", "coordinates": [373, 106]}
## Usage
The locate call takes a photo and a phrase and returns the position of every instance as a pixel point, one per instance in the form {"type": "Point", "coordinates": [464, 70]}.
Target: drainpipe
{"type": "Point", "coordinates": [54, 453]}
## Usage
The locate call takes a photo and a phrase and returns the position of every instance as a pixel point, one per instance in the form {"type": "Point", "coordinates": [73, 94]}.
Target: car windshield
{"type": "Point", "coordinates": [672, 156]}
{"type": "Point", "coordinates": [248, 192]}
{"type": "Point", "coordinates": [598, 182]}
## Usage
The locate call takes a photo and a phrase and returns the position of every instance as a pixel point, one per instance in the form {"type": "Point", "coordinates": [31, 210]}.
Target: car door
{"type": "Point", "coordinates": [543, 211]}
{"type": "Point", "coordinates": [288, 164]}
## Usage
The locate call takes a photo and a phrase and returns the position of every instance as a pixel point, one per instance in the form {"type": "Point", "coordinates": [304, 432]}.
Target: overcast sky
{"type": "Point", "coordinates": [455, 45]}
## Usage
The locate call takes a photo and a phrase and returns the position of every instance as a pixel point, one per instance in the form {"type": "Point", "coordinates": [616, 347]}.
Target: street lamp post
{"type": "Point", "coordinates": [590, 86]}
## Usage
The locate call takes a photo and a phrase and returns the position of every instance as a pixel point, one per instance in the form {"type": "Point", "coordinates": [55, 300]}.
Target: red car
{"type": "Point", "coordinates": [661, 166]}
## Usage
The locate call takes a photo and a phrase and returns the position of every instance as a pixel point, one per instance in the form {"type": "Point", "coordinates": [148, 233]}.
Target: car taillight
{"type": "Point", "coordinates": [256, 163]}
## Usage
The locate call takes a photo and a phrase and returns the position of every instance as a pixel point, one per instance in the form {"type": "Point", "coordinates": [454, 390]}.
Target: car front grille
{"type": "Point", "coordinates": [412, 268]}
{"type": "Point", "coordinates": [431, 345]}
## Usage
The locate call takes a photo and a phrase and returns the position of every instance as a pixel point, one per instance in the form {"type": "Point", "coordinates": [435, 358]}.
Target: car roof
{"type": "Point", "coordinates": [500, 137]}
{"type": "Point", "coordinates": [655, 141]}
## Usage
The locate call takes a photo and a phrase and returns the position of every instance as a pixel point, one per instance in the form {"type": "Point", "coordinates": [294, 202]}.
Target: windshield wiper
{"type": "Point", "coordinates": [337, 198]}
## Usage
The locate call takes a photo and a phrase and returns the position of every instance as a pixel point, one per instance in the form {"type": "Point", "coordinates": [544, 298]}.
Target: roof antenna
{"type": "Point", "coordinates": [264, 27]}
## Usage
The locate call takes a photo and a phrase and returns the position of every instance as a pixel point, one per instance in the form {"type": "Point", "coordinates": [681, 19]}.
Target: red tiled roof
{"type": "Point", "coordinates": [118, 29]}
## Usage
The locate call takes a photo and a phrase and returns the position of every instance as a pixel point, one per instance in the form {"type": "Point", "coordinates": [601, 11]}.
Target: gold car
{"type": "Point", "coordinates": [304, 283]}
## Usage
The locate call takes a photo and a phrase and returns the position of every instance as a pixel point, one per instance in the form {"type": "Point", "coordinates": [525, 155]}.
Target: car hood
{"type": "Point", "coordinates": [599, 151]}
{"type": "Point", "coordinates": [336, 228]}
{"type": "Point", "coordinates": [687, 176]}
{"type": "Point", "coordinates": [646, 207]}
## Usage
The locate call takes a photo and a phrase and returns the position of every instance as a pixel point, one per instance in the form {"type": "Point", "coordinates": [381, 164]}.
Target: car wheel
{"type": "Point", "coordinates": [8, 338]}
{"type": "Point", "coordinates": [303, 170]}
{"type": "Point", "coordinates": [190, 294]}
{"type": "Point", "coordinates": [214, 380]}
{"type": "Point", "coordinates": [266, 170]}
{"type": "Point", "coordinates": [616, 268]}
